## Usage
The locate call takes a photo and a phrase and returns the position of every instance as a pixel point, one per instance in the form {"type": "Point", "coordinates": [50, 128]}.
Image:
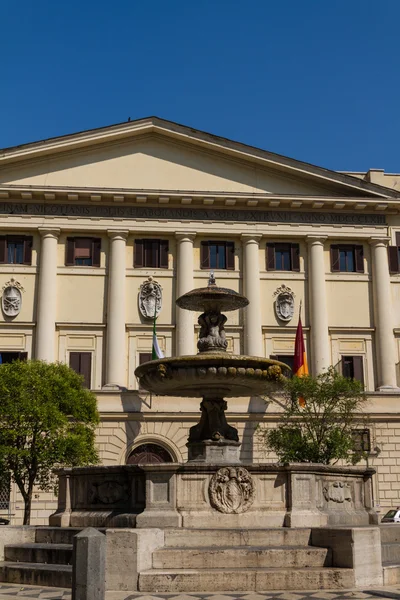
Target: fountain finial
{"type": "Point", "coordinates": [211, 279]}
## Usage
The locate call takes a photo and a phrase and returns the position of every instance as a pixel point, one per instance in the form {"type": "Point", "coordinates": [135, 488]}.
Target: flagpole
{"type": "Point", "coordinates": [300, 305]}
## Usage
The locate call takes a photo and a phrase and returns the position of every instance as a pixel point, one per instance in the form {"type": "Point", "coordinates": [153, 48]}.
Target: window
{"type": "Point", "coordinates": [362, 440]}
{"type": "Point", "coordinates": [15, 250]}
{"type": "Point", "coordinates": [8, 357]}
{"type": "Point", "coordinates": [83, 252]}
{"type": "Point", "coordinates": [151, 254]}
{"type": "Point", "coordinates": [394, 255]}
{"type": "Point", "coordinates": [353, 368]}
{"type": "Point", "coordinates": [149, 454]}
{"type": "Point", "coordinates": [217, 255]}
{"type": "Point", "coordinates": [283, 257]}
{"type": "Point", "coordinates": [288, 359]}
{"type": "Point", "coordinates": [347, 259]}
{"type": "Point", "coordinates": [144, 357]}
{"type": "Point", "coordinates": [81, 362]}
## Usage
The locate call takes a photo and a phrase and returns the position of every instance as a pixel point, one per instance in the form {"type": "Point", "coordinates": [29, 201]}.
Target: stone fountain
{"type": "Point", "coordinates": [212, 374]}
{"type": "Point", "coordinates": [213, 489]}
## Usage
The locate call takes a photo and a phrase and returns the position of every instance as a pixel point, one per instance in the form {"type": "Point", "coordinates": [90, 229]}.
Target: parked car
{"type": "Point", "coordinates": [392, 516]}
{"type": "Point", "coordinates": [4, 521]}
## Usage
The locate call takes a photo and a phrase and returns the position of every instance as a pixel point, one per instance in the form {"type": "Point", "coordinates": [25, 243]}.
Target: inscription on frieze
{"type": "Point", "coordinates": [191, 214]}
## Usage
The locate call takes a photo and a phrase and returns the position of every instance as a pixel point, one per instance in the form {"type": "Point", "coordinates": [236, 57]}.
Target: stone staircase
{"type": "Point", "coordinates": [193, 560]}
{"type": "Point", "coordinates": [390, 539]}
{"type": "Point", "coordinates": [241, 560]}
{"type": "Point", "coordinates": [46, 562]}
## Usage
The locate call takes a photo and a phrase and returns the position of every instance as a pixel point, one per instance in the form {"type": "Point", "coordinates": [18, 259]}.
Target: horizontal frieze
{"type": "Point", "coordinates": [190, 214]}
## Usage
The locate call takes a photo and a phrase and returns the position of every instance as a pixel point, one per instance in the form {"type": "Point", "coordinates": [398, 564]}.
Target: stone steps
{"type": "Point", "coordinates": [244, 580]}
{"type": "Point", "coordinates": [60, 554]}
{"type": "Point", "coordinates": [36, 574]}
{"type": "Point", "coordinates": [58, 535]}
{"type": "Point", "coordinates": [241, 557]}
{"type": "Point", "coordinates": [236, 537]}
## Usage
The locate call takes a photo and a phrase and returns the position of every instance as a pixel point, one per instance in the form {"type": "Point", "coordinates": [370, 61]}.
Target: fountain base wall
{"type": "Point", "coordinates": [224, 496]}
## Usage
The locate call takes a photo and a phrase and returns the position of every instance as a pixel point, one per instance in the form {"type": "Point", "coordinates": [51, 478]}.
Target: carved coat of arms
{"type": "Point", "coordinates": [11, 299]}
{"type": "Point", "coordinates": [337, 491]}
{"type": "Point", "coordinates": [150, 298]}
{"type": "Point", "coordinates": [284, 303]}
{"type": "Point", "coordinates": [231, 490]}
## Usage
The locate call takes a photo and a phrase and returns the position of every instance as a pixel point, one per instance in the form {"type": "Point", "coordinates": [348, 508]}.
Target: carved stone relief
{"type": "Point", "coordinates": [150, 298]}
{"type": "Point", "coordinates": [337, 491]}
{"type": "Point", "coordinates": [284, 303]}
{"type": "Point", "coordinates": [231, 490]}
{"type": "Point", "coordinates": [107, 492]}
{"type": "Point", "coordinates": [11, 299]}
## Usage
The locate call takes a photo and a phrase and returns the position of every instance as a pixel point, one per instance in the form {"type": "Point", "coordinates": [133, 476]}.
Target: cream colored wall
{"type": "Point", "coordinates": [154, 163]}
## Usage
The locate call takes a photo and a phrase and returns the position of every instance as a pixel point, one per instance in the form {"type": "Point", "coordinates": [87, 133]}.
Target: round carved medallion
{"type": "Point", "coordinates": [231, 490]}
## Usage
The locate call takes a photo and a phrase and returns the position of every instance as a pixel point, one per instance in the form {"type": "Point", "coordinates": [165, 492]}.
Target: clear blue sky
{"type": "Point", "coordinates": [317, 80]}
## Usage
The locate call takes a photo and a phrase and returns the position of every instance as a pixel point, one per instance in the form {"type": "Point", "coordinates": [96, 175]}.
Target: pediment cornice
{"type": "Point", "coordinates": [195, 138]}
{"type": "Point", "coordinates": [203, 199]}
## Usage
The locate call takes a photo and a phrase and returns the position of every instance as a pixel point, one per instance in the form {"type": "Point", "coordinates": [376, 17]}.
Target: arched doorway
{"type": "Point", "coordinates": [149, 454]}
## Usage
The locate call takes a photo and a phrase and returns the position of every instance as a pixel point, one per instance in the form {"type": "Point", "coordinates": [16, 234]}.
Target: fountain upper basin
{"type": "Point", "coordinates": [211, 374]}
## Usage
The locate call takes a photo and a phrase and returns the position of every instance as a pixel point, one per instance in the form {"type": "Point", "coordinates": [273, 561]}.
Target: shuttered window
{"type": "Point", "coordinates": [81, 363]}
{"type": "Point", "coordinates": [362, 440]}
{"type": "Point", "coordinates": [15, 250]}
{"type": "Point", "coordinates": [347, 258]}
{"type": "Point", "coordinates": [217, 255]}
{"type": "Point", "coordinates": [152, 254]}
{"type": "Point", "coordinates": [283, 257]}
{"type": "Point", "coordinates": [353, 367]}
{"type": "Point", "coordinates": [394, 255]}
{"type": "Point", "coordinates": [83, 252]}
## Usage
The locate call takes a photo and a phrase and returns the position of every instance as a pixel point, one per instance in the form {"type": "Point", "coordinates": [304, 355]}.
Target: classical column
{"type": "Point", "coordinates": [386, 356]}
{"type": "Point", "coordinates": [184, 283]}
{"type": "Point", "coordinates": [320, 349]}
{"type": "Point", "coordinates": [116, 363]}
{"type": "Point", "coordinates": [47, 295]}
{"type": "Point", "coordinates": [253, 341]}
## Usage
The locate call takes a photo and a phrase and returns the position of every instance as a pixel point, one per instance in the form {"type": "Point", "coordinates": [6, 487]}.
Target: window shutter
{"type": "Point", "coordinates": [204, 255]}
{"type": "Point", "coordinates": [74, 361]}
{"type": "Point", "coordinates": [230, 255]}
{"type": "Point", "coordinates": [270, 257]}
{"type": "Point", "coordinates": [164, 248]}
{"type": "Point", "coordinates": [358, 368]}
{"type": "Point", "coordinates": [86, 367]}
{"type": "Point", "coordinates": [359, 258]}
{"type": "Point", "coordinates": [70, 252]}
{"type": "Point", "coordinates": [144, 357]}
{"type": "Point", "coordinates": [295, 256]}
{"type": "Point", "coordinates": [138, 254]}
{"type": "Point", "coordinates": [3, 249]}
{"type": "Point", "coordinates": [393, 256]}
{"type": "Point", "coordinates": [96, 252]}
{"type": "Point", "coordinates": [335, 259]}
{"type": "Point", "coordinates": [27, 251]}
{"type": "Point", "coordinates": [397, 238]}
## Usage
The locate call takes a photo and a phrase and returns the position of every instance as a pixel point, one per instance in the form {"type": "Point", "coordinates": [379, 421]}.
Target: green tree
{"type": "Point", "coordinates": [47, 419]}
{"type": "Point", "coordinates": [319, 416]}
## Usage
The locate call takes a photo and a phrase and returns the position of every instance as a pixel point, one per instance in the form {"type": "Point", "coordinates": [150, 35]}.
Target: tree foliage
{"type": "Point", "coordinates": [320, 431]}
{"type": "Point", "coordinates": [47, 419]}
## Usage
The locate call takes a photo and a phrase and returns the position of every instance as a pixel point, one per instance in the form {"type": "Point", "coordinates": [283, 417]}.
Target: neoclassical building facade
{"type": "Point", "coordinates": [90, 219]}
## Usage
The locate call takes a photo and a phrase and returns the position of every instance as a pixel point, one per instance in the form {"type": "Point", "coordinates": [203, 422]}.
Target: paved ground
{"type": "Point", "coordinates": [29, 592]}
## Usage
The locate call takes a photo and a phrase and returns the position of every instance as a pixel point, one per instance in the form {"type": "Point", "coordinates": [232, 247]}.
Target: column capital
{"type": "Point", "coordinates": [49, 232]}
{"type": "Point", "coordinates": [316, 239]}
{"type": "Point", "coordinates": [248, 238]}
{"type": "Point", "coordinates": [183, 236]}
{"type": "Point", "coordinates": [379, 241]}
{"type": "Point", "coordinates": [118, 234]}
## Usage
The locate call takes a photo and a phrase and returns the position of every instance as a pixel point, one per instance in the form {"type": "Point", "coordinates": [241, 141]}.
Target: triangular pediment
{"type": "Point", "coordinates": [157, 155]}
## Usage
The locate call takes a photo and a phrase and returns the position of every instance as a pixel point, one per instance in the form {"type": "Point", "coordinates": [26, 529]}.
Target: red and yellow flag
{"type": "Point", "coordinates": [300, 366]}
